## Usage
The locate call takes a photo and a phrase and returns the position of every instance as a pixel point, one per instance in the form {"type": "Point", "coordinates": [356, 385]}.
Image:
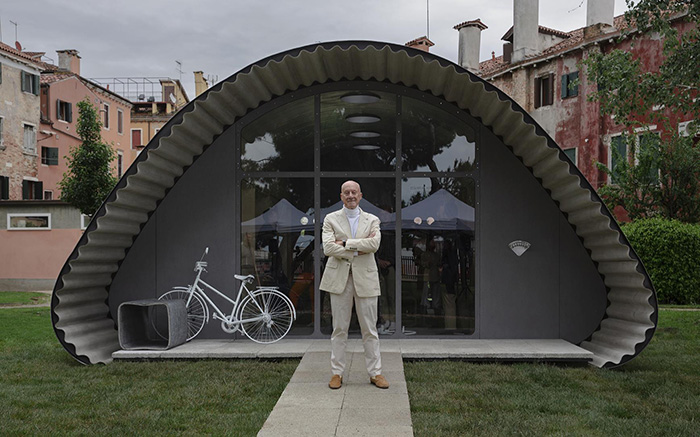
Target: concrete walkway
{"type": "Point", "coordinates": [307, 407]}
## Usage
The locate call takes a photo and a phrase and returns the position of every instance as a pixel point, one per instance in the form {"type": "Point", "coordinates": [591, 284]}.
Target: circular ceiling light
{"type": "Point", "coordinates": [360, 98]}
{"type": "Point", "coordinates": [362, 118]}
{"type": "Point", "coordinates": [364, 134]}
{"type": "Point", "coordinates": [365, 147]}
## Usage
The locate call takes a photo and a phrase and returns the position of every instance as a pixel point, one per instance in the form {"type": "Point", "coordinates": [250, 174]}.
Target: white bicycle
{"type": "Point", "coordinates": [264, 314]}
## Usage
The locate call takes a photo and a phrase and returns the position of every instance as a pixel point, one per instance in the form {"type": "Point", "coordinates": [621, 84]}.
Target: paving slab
{"type": "Point", "coordinates": [309, 407]}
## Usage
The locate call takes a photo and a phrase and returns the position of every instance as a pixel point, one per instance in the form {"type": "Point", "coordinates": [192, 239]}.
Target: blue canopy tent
{"type": "Point", "coordinates": [282, 217]}
{"type": "Point", "coordinates": [441, 211]}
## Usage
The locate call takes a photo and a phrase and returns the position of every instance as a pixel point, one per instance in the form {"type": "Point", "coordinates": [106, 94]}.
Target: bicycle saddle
{"type": "Point", "coordinates": [243, 278]}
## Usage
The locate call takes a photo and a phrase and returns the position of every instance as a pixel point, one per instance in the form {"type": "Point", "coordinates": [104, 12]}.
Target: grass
{"type": "Point", "coordinates": [657, 393]}
{"type": "Point", "coordinates": [44, 391]}
{"type": "Point", "coordinates": [11, 298]}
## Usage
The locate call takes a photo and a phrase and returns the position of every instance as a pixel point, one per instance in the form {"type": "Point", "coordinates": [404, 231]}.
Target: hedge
{"type": "Point", "coordinates": [670, 251]}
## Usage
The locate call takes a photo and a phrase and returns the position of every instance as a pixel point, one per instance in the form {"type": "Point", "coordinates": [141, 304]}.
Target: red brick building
{"type": "Point", "coordinates": [538, 63]}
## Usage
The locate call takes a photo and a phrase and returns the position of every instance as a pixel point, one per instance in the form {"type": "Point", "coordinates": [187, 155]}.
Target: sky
{"type": "Point", "coordinates": [145, 38]}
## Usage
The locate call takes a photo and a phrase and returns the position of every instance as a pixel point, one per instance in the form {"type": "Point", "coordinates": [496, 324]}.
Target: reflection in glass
{"type": "Point", "coordinates": [360, 98]}
{"type": "Point", "coordinates": [277, 240]}
{"type": "Point", "coordinates": [437, 261]}
{"type": "Point", "coordinates": [434, 140]}
{"type": "Point", "coordinates": [281, 140]}
{"type": "Point", "coordinates": [378, 198]}
{"type": "Point", "coordinates": [345, 125]}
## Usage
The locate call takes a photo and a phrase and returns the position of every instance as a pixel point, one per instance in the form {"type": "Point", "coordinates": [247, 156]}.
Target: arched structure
{"type": "Point", "coordinates": [80, 303]}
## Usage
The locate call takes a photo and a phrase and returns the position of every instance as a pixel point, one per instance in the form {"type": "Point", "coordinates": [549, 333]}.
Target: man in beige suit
{"type": "Point", "coordinates": [350, 238]}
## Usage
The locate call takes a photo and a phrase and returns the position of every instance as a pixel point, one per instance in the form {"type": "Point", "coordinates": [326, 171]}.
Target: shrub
{"type": "Point", "coordinates": [670, 251]}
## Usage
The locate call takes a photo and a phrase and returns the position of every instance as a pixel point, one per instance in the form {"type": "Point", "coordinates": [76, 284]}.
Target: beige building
{"type": "Point", "coordinates": [19, 124]}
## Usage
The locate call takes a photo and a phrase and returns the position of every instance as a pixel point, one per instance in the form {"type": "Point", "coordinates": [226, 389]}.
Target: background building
{"type": "Point", "coordinates": [61, 90]}
{"type": "Point", "coordinates": [38, 127]}
{"type": "Point", "coordinates": [538, 64]}
{"type": "Point", "coordinates": [19, 124]}
{"type": "Point", "coordinates": [154, 100]}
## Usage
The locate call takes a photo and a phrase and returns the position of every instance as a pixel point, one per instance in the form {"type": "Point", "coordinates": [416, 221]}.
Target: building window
{"type": "Point", "coordinates": [84, 221]}
{"type": "Point", "coordinates": [105, 118]}
{"type": "Point", "coordinates": [4, 187]}
{"type": "Point", "coordinates": [29, 138]}
{"type": "Point", "coordinates": [648, 144]}
{"type": "Point", "coordinates": [568, 89]}
{"type": "Point", "coordinates": [49, 155]}
{"type": "Point", "coordinates": [617, 154]}
{"type": "Point", "coordinates": [136, 138]}
{"type": "Point", "coordinates": [120, 163]}
{"type": "Point", "coordinates": [120, 121]}
{"type": "Point", "coordinates": [64, 111]}
{"type": "Point", "coordinates": [48, 195]}
{"type": "Point", "coordinates": [571, 154]}
{"type": "Point", "coordinates": [28, 222]}
{"type": "Point", "coordinates": [32, 190]}
{"type": "Point", "coordinates": [544, 90]}
{"type": "Point", "coordinates": [433, 171]}
{"type": "Point", "coordinates": [30, 83]}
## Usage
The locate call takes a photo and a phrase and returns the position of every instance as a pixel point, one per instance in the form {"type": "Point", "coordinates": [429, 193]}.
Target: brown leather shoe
{"type": "Point", "coordinates": [336, 382]}
{"type": "Point", "coordinates": [379, 381]}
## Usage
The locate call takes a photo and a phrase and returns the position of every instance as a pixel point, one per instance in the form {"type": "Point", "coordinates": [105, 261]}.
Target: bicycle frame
{"type": "Point", "coordinates": [231, 318]}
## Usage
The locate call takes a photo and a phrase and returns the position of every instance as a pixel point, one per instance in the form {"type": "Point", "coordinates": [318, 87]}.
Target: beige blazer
{"type": "Point", "coordinates": [341, 259]}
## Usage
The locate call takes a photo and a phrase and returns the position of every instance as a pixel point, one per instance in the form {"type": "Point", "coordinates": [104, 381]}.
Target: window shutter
{"type": "Point", "coordinates": [35, 84]}
{"type": "Point", "coordinates": [25, 190]}
{"type": "Point", "coordinates": [538, 92]}
{"type": "Point", "coordinates": [573, 77]}
{"type": "Point", "coordinates": [550, 93]}
{"type": "Point", "coordinates": [38, 190]}
{"type": "Point", "coordinates": [23, 79]}
{"type": "Point", "coordinates": [564, 86]}
{"type": "Point", "coordinates": [58, 109]}
{"type": "Point", "coordinates": [69, 112]}
{"type": "Point", "coordinates": [4, 187]}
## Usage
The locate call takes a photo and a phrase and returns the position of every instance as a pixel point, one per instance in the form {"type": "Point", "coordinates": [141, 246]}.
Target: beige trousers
{"type": "Point", "coordinates": [366, 309]}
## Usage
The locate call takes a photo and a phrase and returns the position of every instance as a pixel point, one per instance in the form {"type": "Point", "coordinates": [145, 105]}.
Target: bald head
{"type": "Point", "coordinates": [350, 194]}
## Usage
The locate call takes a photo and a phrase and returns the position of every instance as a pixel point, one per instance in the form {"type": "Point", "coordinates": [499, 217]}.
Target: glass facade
{"type": "Point", "coordinates": [415, 158]}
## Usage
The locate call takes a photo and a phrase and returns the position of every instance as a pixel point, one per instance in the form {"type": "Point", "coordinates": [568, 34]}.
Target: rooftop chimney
{"type": "Point", "coordinates": [469, 44]}
{"type": "Point", "coordinates": [422, 43]}
{"type": "Point", "coordinates": [525, 28]}
{"type": "Point", "coordinates": [600, 12]}
{"type": "Point", "coordinates": [69, 60]}
{"type": "Point", "coordinates": [200, 83]}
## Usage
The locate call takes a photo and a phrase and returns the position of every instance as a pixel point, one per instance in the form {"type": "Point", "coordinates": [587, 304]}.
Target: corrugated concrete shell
{"type": "Point", "coordinates": [79, 306]}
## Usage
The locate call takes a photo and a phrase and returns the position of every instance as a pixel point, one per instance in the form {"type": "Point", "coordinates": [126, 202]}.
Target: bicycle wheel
{"type": "Point", "coordinates": [266, 316]}
{"type": "Point", "coordinates": [196, 311]}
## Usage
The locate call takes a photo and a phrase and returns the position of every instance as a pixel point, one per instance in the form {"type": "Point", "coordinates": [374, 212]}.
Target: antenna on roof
{"type": "Point", "coordinates": [179, 68]}
{"type": "Point", "coordinates": [15, 29]}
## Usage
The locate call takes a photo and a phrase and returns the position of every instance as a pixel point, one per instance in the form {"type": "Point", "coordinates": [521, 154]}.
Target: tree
{"type": "Point", "coordinates": [664, 179]}
{"type": "Point", "coordinates": [89, 177]}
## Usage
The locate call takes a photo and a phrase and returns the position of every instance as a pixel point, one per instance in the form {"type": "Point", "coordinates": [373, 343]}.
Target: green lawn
{"type": "Point", "coordinates": [657, 393]}
{"type": "Point", "coordinates": [44, 391]}
{"type": "Point", "coordinates": [23, 298]}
